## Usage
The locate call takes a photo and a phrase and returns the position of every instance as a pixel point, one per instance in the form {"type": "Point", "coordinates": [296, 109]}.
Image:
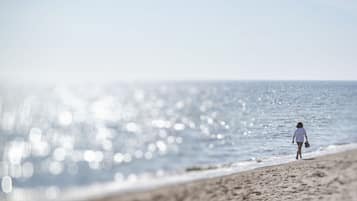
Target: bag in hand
{"type": "Point", "coordinates": [307, 144]}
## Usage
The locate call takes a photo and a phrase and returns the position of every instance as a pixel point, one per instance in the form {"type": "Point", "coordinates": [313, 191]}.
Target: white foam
{"type": "Point", "coordinates": [147, 183]}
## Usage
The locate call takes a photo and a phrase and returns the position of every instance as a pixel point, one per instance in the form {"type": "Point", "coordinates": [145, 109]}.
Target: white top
{"type": "Point", "coordinates": [299, 134]}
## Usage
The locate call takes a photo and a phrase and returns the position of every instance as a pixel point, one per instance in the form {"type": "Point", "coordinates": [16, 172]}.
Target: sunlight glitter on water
{"type": "Point", "coordinates": [61, 136]}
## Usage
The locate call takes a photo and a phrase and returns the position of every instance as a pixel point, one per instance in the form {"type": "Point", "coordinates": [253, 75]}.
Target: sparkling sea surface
{"type": "Point", "coordinates": [58, 136]}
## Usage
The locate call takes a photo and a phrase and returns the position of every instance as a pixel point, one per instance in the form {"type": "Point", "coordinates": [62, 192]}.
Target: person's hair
{"type": "Point", "coordinates": [299, 125]}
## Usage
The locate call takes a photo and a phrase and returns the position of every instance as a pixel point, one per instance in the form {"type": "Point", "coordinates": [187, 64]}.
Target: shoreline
{"type": "Point", "coordinates": [327, 177]}
{"type": "Point", "coordinates": [118, 190]}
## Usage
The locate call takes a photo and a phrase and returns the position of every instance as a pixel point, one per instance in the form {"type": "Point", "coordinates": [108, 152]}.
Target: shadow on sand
{"type": "Point", "coordinates": [308, 159]}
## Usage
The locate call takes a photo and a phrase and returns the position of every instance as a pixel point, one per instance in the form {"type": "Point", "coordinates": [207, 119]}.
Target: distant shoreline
{"type": "Point", "coordinates": [93, 79]}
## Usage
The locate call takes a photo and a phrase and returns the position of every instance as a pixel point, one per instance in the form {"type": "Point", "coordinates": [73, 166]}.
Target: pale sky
{"type": "Point", "coordinates": [185, 39]}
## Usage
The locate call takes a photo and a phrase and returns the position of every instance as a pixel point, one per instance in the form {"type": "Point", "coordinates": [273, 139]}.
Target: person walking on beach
{"type": "Point", "coordinates": [299, 135]}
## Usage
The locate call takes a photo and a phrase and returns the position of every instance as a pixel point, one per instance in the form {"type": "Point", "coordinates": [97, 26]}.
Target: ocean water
{"type": "Point", "coordinates": [55, 137]}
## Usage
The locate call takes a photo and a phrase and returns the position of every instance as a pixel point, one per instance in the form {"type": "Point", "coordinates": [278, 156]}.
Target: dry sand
{"type": "Point", "coordinates": [330, 177]}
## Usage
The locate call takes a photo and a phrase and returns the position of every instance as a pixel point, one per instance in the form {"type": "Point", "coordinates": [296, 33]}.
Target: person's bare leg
{"type": "Point", "coordinates": [299, 151]}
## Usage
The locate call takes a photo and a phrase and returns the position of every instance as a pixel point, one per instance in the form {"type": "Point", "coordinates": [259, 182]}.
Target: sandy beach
{"type": "Point", "coordinates": [329, 177]}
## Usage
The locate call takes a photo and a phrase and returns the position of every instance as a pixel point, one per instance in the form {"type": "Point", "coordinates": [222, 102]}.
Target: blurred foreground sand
{"type": "Point", "coordinates": [331, 177]}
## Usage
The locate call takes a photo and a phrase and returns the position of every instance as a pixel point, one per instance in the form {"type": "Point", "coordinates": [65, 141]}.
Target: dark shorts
{"type": "Point", "coordinates": [300, 143]}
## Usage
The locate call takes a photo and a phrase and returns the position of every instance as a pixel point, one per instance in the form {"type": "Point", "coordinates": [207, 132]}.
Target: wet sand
{"type": "Point", "coordinates": [330, 177]}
